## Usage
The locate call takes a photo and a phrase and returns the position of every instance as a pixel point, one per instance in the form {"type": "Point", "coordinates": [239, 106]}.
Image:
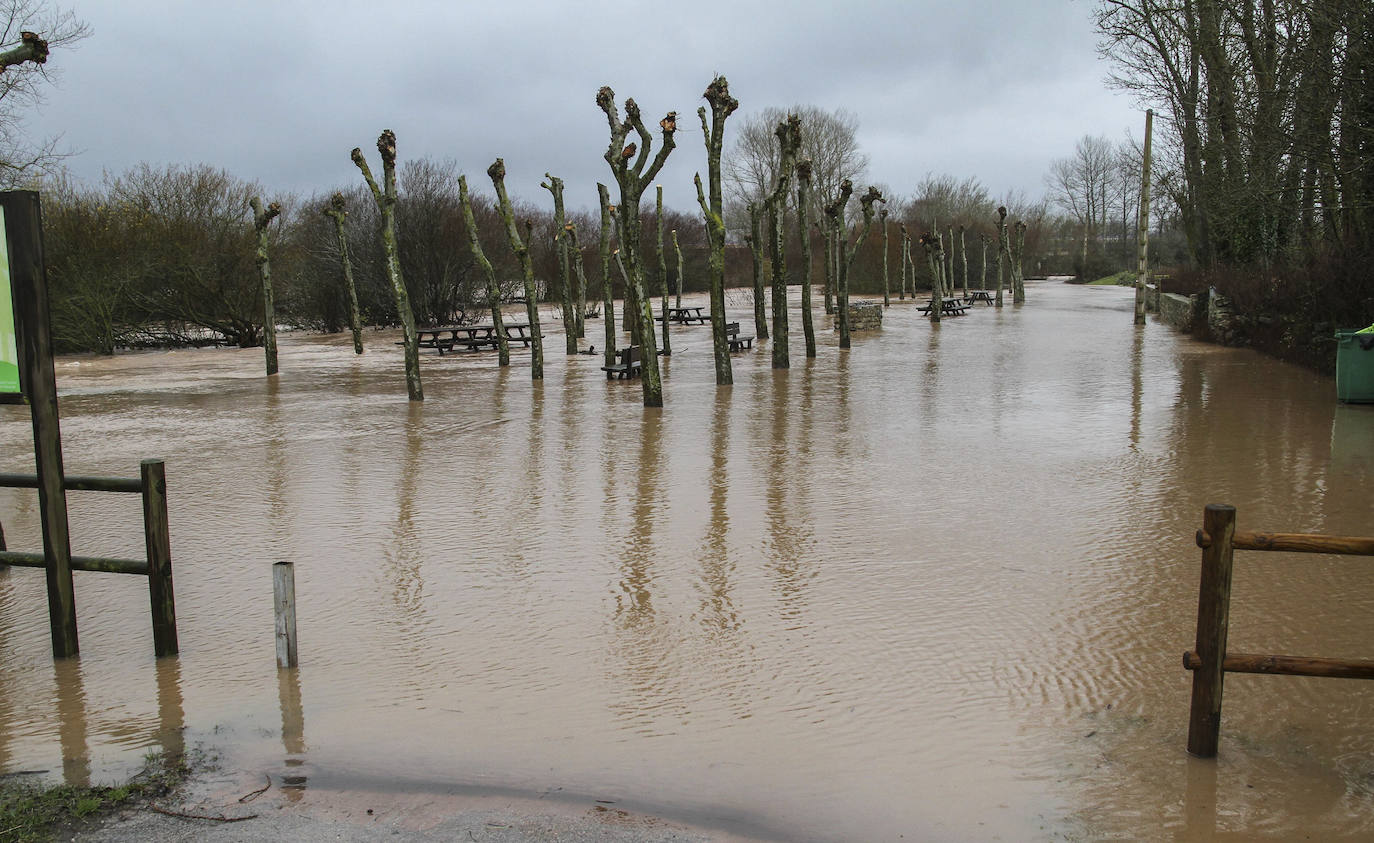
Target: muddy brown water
{"type": "Point", "coordinates": [935, 586]}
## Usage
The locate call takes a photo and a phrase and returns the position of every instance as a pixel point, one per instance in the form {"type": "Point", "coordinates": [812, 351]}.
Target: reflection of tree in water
{"type": "Point", "coordinates": [790, 547]}
{"type": "Point", "coordinates": [717, 607]}
{"type": "Point", "coordinates": [405, 551]}
{"type": "Point", "coordinates": [643, 640]}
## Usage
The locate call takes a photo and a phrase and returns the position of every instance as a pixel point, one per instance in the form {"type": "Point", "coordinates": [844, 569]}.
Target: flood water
{"type": "Point", "coordinates": [936, 586]}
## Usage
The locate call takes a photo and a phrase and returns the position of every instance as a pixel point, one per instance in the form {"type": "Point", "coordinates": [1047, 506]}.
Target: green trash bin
{"type": "Point", "coordinates": [1355, 366]}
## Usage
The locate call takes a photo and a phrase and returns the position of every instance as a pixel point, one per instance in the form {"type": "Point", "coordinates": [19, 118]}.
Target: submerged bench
{"type": "Point", "coordinates": [737, 342]}
{"type": "Point", "coordinates": [628, 365]}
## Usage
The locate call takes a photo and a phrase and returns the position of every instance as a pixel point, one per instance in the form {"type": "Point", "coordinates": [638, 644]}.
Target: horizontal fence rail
{"type": "Point", "coordinates": [1209, 660]}
{"type": "Point", "coordinates": [73, 483]}
{"type": "Point", "coordinates": [157, 566]}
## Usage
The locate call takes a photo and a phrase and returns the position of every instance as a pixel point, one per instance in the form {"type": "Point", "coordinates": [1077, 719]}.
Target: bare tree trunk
{"type": "Point", "coordinates": [1018, 277]}
{"type": "Point", "coordinates": [788, 133]}
{"type": "Point", "coordinates": [722, 106]}
{"type": "Point", "coordinates": [983, 276]}
{"type": "Point", "coordinates": [554, 185]}
{"type": "Point", "coordinates": [632, 179]}
{"type": "Point", "coordinates": [847, 254]}
{"type": "Point", "coordinates": [677, 250]}
{"type": "Point", "coordinates": [804, 229]}
{"type": "Point", "coordinates": [261, 219]}
{"type": "Point", "coordinates": [385, 197]}
{"type": "Point", "coordinates": [963, 260]}
{"type": "Point", "coordinates": [662, 266]}
{"type": "Point", "coordinates": [336, 211]}
{"type": "Point", "coordinates": [607, 289]}
{"type": "Point", "coordinates": [497, 173]}
{"type": "Point", "coordinates": [1142, 237]}
{"type": "Point", "coordinates": [755, 241]}
{"type": "Point", "coordinates": [579, 277]}
{"type": "Point", "coordinates": [949, 265]}
{"type": "Point", "coordinates": [906, 262]}
{"type": "Point", "coordinates": [887, 298]}
{"type": "Point", "coordinates": [1003, 248]}
{"type": "Point", "coordinates": [828, 247]}
{"type": "Point", "coordinates": [493, 291]}
{"type": "Point", "coordinates": [934, 259]}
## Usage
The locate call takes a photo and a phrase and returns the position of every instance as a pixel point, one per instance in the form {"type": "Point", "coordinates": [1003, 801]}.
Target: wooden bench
{"type": "Point", "coordinates": [737, 342]}
{"type": "Point", "coordinates": [628, 367]}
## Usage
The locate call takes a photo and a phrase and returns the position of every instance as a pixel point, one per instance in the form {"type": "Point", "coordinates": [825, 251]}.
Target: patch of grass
{"type": "Point", "coordinates": [1125, 278]}
{"type": "Point", "coordinates": [31, 813]}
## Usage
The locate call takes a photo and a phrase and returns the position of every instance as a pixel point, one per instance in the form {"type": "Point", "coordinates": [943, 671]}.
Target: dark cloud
{"type": "Point", "coordinates": [280, 92]}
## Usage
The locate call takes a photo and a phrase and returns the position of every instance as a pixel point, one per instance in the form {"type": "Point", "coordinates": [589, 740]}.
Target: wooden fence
{"type": "Point", "coordinates": [157, 566]}
{"type": "Point", "coordinates": [1209, 660]}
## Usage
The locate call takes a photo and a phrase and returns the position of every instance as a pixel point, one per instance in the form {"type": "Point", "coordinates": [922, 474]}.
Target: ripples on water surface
{"type": "Point", "coordinates": [937, 585]}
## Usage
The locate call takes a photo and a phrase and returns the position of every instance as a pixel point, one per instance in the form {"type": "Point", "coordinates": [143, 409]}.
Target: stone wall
{"type": "Point", "coordinates": [863, 315]}
{"type": "Point", "coordinates": [1177, 311]}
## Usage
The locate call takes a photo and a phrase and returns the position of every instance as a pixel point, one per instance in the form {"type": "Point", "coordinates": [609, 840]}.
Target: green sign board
{"type": "Point", "coordinates": [9, 347]}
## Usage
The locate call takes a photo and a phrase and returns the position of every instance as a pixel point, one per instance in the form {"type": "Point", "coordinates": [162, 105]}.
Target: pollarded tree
{"type": "Point", "coordinates": [493, 290]}
{"type": "Point", "coordinates": [385, 197]}
{"type": "Point", "coordinates": [335, 210]}
{"type": "Point", "coordinates": [845, 253]}
{"type": "Point", "coordinates": [804, 203]}
{"type": "Point", "coordinates": [607, 289]}
{"type": "Point", "coordinates": [662, 267]}
{"type": "Point", "coordinates": [634, 171]}
{"type": "Point", "coordinates": [755, 241]}
{"type": "Point", "coordinates": [497, 173]}
{"type": "Point", "coordinates": [23, 74]}
{"type": "Point", "coordinates": [262, 217]}
{"type": "Point", "coordinates": [722, 106]}
{"type": "Point", "coordinates": [933, 248]}
{"type": "Point", "coordinates": [789, 142]}
{"type": "Point", "coordinates": [554, 185]}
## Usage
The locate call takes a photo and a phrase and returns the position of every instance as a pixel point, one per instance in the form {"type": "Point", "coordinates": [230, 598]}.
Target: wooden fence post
{"type": "Point", "coordinates": [153, 474]}
{"type": "Point", "coordinates": [284, 590]}
{"type": "Point", "coordinates": [1213, 614]}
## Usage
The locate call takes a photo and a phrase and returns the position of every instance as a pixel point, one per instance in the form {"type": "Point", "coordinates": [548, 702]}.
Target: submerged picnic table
{"type": "Point", "coordinates": [948, 307]}
{"type": "Point", "coordinates": [979, 295]}
{"type": "Point", "coordinates": [686, 316]}
{"type": "Point", "coordinates": [475, 337]}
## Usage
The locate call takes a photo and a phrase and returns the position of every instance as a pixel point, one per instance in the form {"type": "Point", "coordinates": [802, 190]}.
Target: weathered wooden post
{"type": "Point", "coordinates": [788, 134]}
{"type": "Point", "coordinates": [554, 185]}
{"type": "Point", "coordinates": [23, 227]}
{"type": "Point", "coordinates": [607, 289]}
{"type": "Point", "coordinates": [662, 267]}
{"type": "Point", "coordinates": [385, 197]}
{"type": "Point", "coordinates": [153, 475]}
{"type": "Point", "coordinates": [335, 211]}
{"type": "Point", "coordinates": [804, 229]}
{"type": "Point", "coordinates": [717, 95]}
{"type": "Point", "coordinates": [261, 219]}
{"type": "Point", "coordinates": [497, 173]}
{"type": "Point", "coordinates": [480, 255]}
{"type": "Point", "coordinates": [284, 601]}
{"type": "Point", "coordinates": [1213, 617]}
{"type": "Point", "coordinates": [1142, 237]}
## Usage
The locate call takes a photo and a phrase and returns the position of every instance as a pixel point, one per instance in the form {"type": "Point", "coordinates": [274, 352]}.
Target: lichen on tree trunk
{"type": "Point", "coordinates": [983, 277]}
{"type": "Point", "coordinates": [788, 134]}
{"type": "Point", "coordinates": [493, 291]}
{"type": "Point", "coordinates": [1142, 242]}
{"type": "Point", "coordinates": [1018, 277]}
{"type": "Point", "coordinates": [579, 277]}
{"type": "Point", "coordinates": [717, 95]}
{"type": "Point", "coordinates": [497, 173]}
{"type": "Point", "coordinates": [607, 288]}
{"type": "Point", "coordinates": [804, 230]}
{"type": "Point", "coordinates": [262, 217]}
{"type": "Point", "coordinates": [887, 297]}
{"type": "Point", "coordinates": [566, 299]}
{"type": "Point", "coordinates": [755, 242]}
{"type": "Point", "coordinates": [335, 210]}
{"type": "Point", "coordinates": [633, 171]}
{"type": "Point", "coordinates": [662, 266]}
{"type": "Point", "coordinates": [963, 259]}
{"type": "Point", "coordinates": [677, 250]}
{"type": "Point", "coordinates": [906, 262]}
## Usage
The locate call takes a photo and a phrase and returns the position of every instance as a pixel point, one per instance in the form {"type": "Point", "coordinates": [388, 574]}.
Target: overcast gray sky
{"type": "Point", "coordinates": [280, 91]}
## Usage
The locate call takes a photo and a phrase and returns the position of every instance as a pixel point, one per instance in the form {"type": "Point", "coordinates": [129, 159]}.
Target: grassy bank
{"type": "Point", "coordinates": [30, 812]}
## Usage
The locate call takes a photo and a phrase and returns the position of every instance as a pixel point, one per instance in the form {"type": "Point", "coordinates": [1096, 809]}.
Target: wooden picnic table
{"type": "Point", "coordinates": [948, 307]}
{"type": "Point", "coordinates": [686, 315]}
{"type": "Point", "coordinates": [979, 295]}
{"type": "Point", "coordinates": [475, 337]}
